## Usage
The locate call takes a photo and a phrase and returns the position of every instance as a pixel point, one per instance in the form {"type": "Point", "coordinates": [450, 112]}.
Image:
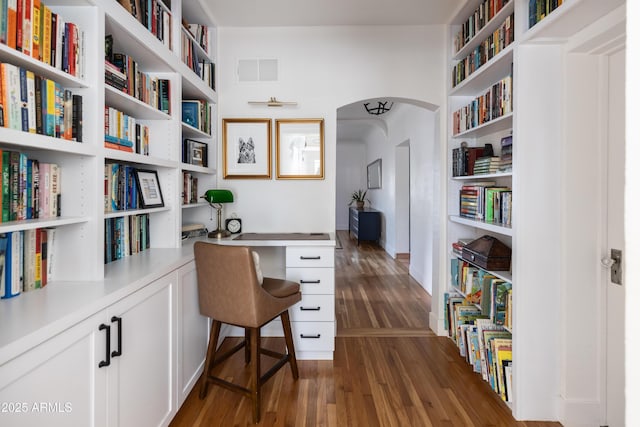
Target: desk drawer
{"type": "Point", "coordinates": [313, 280]}
{"type": "Point", "coordinates": [313, 336]}
{"type": "Point", "coordinates": [314, 308]}
{"type": "Point", "coordinates": [310, 256]}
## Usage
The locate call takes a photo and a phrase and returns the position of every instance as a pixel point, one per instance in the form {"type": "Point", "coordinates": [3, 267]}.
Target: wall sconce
{"type": "Point", "coordinates": [272, 102]}
{"type": "Point", "coordinates": [216, 198]}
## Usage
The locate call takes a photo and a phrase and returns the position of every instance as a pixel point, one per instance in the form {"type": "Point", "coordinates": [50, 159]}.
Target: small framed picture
{"type": "Point", "coordinates": [149, 188]}
{"type": "Point", "coordinates": [300, 148]}
{"type": "Point", "coordinates": [246, 148]}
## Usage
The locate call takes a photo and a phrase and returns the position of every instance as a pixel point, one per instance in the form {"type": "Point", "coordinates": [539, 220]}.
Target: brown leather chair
{"type": "Point", "coordinates": [229, 292]}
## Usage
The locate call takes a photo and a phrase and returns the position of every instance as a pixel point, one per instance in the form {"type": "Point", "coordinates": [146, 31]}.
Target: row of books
{"type": "Point", "coordinates": [506, 154]}
{"type": "Point", "coordinates": [486, 346]}
{"type": "Point", "coordinates": [203, 67]}
{"type": "Point", "coordinates": [484, 52]}
{"type": "Point", "coordinates": [480, 17]}
{"type": "Point", "coordinates": [151, 90]}
{"type": "Point", "coordinates": [125, 236]}
{"type": "Point", "coordinates": [27, 260]}
{"type": "Point", "coordinates": [189, 188]}
{"type": "Point", "coordinates": [539, 9]}
{"type": "Point", "coordinates": [494, 103]}
{"type": "Point", "coordinates": [484, 201]}
{"type": "Point", "coordinates": [200, 33]}
{"type": "Point", "coordinates": [123, 132]}
{"type": "Point", "coordinates": [153, 15]}
{"type": "Point", "coordinates": [197, 113]}
{"type": "Point", "coordinates": [195, 152]}
{"type": "Point", "coordinates": [120, 187]}
{"type": "Point", "coordinates": [481, 288]}
{"type": "Point", "coordinates": [29, 189]}
{"type": "Point", "coordinates": [30, 27]}
{"type": "Point", "coordinates": [35, 104]}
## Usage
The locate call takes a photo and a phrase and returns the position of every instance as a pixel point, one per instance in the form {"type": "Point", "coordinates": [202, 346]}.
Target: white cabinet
{"type": "Point", "coordinates": [141, 379]}
{"type": "Point", "coordinates": [313, 318]}
{"type": "Point", "coordinates": [193, 331]}
{"type": "Point", "coordinates": [113, 369]}
{"type": "Point", "coordinates": [57, 383]}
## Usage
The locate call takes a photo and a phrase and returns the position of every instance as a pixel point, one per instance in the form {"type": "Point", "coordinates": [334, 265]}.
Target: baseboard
{"type": "Point", "coordinates": [580, 413]}
{"type": "Point", "coordinates": [403, 256]}
{"type": "Point", "coordinates": [437, 325]}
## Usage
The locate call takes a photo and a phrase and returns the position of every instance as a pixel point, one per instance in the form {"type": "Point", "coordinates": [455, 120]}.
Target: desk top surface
{"type": "Point", "coordinates": [278, 239]}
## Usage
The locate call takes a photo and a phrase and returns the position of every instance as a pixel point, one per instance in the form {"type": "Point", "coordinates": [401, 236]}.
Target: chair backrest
{"type": "Point", "coordinates": [228, 289]}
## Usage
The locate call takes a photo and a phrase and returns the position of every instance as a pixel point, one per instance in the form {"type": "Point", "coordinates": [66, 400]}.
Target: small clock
{"type": "Point", "coordinates": [234, 225]}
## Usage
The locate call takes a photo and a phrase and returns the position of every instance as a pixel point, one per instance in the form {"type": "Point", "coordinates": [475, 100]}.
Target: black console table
{"type": "Point", "coordinates": [364, 224]}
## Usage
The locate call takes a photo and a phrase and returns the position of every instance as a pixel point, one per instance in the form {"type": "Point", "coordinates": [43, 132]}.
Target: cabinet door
{"type": "Point", "coordinates": [57, 383]}
{"type": "Point", "coordinates": [193, 332]}
{"type": "Point", "coordinates": [141, 378]}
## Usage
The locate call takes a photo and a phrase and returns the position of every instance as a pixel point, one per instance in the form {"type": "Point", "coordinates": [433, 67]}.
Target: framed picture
{"type": "Point", "coordinates": [299, 148]}
{"type": "Point", "coordinates": [149, 188]}
{"type": "Point", "coordinates": [195, 152]}
{"type": "Point", "coordinates": [246, 148]}
{"type": "Point", "coordinates": [374, 174]}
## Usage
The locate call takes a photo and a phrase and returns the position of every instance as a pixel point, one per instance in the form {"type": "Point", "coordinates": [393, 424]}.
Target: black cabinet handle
{"type": "Point", "coordinates": [309, 308]}
{"type": "Point", "coordinates": [302, 282]}
{"type": "Point", "coordinates": [309, 257]}
{"type": "Point", "coordinates": [118, 352]}
{"type": "Point", "coordinates": [310, 336]}
{"type": "Point", "coordinates": [107, 362]}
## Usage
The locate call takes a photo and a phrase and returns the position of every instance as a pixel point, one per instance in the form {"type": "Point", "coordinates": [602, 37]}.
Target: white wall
{"type": "Point", "coordinates": [321, 68]}
{"type": "Point", "coordinates": [418, 126]}
{"type": "Point", "coordinates": [350, 162]}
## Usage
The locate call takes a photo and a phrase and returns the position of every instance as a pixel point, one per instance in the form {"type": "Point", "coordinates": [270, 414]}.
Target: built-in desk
{"type": "Point", "coordinates": [306, 258]}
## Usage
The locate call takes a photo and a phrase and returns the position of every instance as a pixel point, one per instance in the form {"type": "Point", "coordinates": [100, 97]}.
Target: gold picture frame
{"type": "Point", "coordinates": [246, 148]}
{"type": "Point", "coordinates": [300, 148]}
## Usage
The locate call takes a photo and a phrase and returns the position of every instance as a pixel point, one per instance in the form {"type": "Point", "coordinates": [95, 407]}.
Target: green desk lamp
{"type": "Point", "coordinates": [216, 198]}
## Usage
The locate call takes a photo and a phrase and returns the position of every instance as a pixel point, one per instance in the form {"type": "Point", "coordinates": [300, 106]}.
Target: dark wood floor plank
{"type": "Point", "coordinates": [388, 370]}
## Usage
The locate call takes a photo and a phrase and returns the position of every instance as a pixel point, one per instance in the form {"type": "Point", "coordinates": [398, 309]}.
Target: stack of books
{"type": "Point", "coordinates": [114, 77]}
{"type": "Point", "coordinates": [485, 165]}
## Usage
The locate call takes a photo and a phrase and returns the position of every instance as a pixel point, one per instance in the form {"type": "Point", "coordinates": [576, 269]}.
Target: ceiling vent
{"type": "Point", "coordinates": [257, 70]}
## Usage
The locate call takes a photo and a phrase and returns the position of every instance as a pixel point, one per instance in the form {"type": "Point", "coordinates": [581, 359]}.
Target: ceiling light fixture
{"type": "Point", "coordinates": [381, 108]}
{"type": "Point", "coordinates": [272, 102]}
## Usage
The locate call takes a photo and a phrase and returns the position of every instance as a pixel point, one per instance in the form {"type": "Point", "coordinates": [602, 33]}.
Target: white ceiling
{"type": "Point", "coordinates": [280, 13]}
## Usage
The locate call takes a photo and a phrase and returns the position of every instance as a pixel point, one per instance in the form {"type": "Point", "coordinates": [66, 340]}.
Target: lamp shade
{"type": "Point", "coordinates": [218, 196]}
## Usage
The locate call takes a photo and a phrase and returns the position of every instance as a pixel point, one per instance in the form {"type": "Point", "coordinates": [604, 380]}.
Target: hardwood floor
{"type": "Point", "coordinates": [389, 369]}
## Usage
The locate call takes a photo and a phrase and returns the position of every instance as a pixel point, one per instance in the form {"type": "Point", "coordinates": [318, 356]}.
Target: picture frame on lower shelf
{"type": "Point", "coordinates": [195, 152]}
{"type": "Point", "coordinates": [149, 188]}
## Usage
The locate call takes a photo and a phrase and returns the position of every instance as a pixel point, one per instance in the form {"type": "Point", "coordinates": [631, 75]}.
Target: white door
{"type": "Point", "coordinates": [615, 372]}
{"type": "Point", "coordinates": [58, 383]}
{"type": "Point", "coordinates": [141, 377]}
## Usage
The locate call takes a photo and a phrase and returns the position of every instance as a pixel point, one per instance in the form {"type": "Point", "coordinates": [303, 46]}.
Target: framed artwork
{"type": "Point", "coordinates": [149, 188]}
{"type": "Point", "coordinates": [246, 148]}
{"type": "Point", "coordinates": [300, 148]}
{"type": "Point", "coordinates": [374, 174]}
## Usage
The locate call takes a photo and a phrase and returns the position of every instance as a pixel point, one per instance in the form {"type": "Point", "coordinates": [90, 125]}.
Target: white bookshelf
{"type": "Point", "coordinates": [543, 64]}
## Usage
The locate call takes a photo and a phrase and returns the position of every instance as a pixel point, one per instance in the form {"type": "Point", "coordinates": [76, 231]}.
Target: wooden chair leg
{"type": "Point", "coordinates": [288, 338]}
{"type": "Point", "coordinates": [255, 372]}
{"type": "Point", "coordinates": [247, 349]}
{"type": "Point", "coordinates": [211, 354]}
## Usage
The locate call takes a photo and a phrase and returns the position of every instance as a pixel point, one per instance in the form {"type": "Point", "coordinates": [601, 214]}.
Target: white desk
{"type": "Point", "coordinates": [309, 262]}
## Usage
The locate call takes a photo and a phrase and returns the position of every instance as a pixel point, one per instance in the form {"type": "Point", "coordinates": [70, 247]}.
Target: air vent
{"type": "Point", "coordinates": [257, 70]}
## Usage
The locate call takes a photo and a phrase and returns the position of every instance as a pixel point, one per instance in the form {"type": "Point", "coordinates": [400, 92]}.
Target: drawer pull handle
{"type": "Point", "coordinates": [310, 308]}
{"type": "Point", "coordinates": [309, 257]}
{"type": "Point", "coordinates": [118, 352]}
{"type": "Point", "coordinates": [310, 336]}
{"type": "Point", "coordinates": [107, 362]}
{"type": "Point", "coordinates": [302, 282]}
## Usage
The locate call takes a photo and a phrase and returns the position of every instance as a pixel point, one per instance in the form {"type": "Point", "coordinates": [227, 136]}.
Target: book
{"type": "Point", "coordinates": [30, 260]}
{"type": "Point", "coordinates": [7, 290]}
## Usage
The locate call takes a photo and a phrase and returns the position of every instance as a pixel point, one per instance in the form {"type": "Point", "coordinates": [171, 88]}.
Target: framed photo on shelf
{"type": "Point", "coordinates": [191, 113]}
{"type": "Point", "coordinates": [195, 152]}
{"type": "Point", "coordinates": [149, 188]}
{"type": "Point", "coordinates": [300, 148]}
{"type": "Point", "coordinates": [246, 148]}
